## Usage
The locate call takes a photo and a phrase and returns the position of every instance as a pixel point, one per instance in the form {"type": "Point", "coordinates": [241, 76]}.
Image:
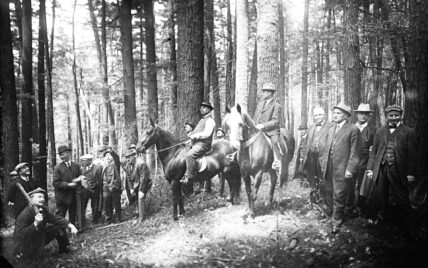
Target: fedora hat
{"type": "Point", "coordinates": [269, 86]}
{"type": "Point", "coordinates": [363, 108]}
{"type": "Point", "coordinates": [63, 148]}
{"type": "Point", "coordinates": [20, 165]}
{"type": "Point", "coordinates": [86, 157]}
{"type": "Point", "coordinates": [36, 191]}
{"type": "Point", "coordinates": [394, 107]}
{"type": "Point", "coordinates": [207, 104]}
{"type": "Point", "coordinates": [346, 108]}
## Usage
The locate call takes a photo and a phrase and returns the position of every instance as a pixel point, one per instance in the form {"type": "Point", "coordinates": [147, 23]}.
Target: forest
{"type": "Point", "coordinates": [92, 73]}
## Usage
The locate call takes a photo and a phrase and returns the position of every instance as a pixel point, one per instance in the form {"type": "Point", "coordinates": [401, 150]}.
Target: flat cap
{"type": "Point", "coordinates": [86, 157]}
{"type": "Point", "coordinates": [269, 86]}
{"type": "Point", "coordinates": [21, 165]}
{"type": "Point", "coordinates": [394, 107]}
{"type": "Point", "coordinates": [36, 191]}
{"type": "Point", "coordinates": [130, 152]}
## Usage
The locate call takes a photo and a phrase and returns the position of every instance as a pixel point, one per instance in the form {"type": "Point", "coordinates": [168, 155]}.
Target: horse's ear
{"type": "Point", "coordinates": [227, 110]}
{"type": "Point", "coordinates": [238, 108]}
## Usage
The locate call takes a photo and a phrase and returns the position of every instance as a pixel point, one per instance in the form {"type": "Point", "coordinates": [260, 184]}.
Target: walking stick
{"type": "Point", "coordinates": [27, 197]}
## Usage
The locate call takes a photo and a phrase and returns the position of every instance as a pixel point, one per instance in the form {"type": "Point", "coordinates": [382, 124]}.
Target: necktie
{"type": "Point", "coordinates": [337, 128]}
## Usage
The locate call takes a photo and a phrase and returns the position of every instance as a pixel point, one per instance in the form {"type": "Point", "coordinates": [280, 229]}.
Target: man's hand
{"type": "Point", "coordinates": [73, 229]}
{"type": "Point", "coordinates": [348, 175]}
{"type": "Point", "coordinates": [141, 195]}
{"type": "Point", "coordinates": [260, 127]}
{"type": "Point", "coordinates": [72, 185]}
{"type": "Point", "coordinates": [10, 203]}
{"type": "Point", "coordinates": [410, 179]}
{"type": "Point", "coordinates": [370, 174]}
{"type": "Point", "coordinates": [38, 219]}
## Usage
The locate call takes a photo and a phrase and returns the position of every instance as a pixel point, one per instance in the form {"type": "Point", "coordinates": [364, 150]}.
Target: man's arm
{"type": "Point", "coordinates": [273, 123]}
{"type": "Point", "coordinates": [412, 155]}
{"type": "Point", "coordinates": [207, 132]}
{"type": "Point", "coordinates": [11, 192]}
{"type": "Point", "coordinates": [354, 157]}
{"type": "Point", "coordinates": [57, 181]}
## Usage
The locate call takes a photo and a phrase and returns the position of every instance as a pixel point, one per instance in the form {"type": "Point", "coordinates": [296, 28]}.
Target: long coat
{"type": "Point", "coordinates": [322, 139]}
{"type": "Point", "coordinates": [269, 117]}
{"type": "Point", "coordinates": [62, 176]}
{"type": "Point", "coordinates": [346, 147]}
{"type": "Point", "coordinates": [14, 194]}
{"type": "Point", "coordinates": [405, 151]}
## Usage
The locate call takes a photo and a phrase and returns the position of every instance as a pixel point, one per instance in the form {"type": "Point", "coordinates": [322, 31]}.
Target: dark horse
{"type": "Point", "coordinates": [172, 153]}
{"type": "Point", "coordinates": [255, 155]}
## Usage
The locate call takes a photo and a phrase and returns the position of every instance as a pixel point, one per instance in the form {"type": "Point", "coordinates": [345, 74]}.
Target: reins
{"type": "Point", "coordinates": [170, 147]}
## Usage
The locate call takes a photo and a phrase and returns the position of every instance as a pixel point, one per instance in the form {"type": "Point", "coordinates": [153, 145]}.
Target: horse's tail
{"type": "Point", "coordinates": [290, 142]}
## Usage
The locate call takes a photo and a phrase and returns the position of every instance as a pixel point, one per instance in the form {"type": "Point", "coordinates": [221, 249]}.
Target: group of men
{"type": "Point", "coordinates": [355, 170]}
{"type": "Point", "coordinates": [97, 180]}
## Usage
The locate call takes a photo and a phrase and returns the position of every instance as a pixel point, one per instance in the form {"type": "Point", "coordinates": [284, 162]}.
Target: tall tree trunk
{"type": "Point", "coordinates": [230, 64]}
{"type": "Point", "coordinates": [252, 91]}
{"type": "Point", "coordinates": [172, 89]}
{"type": "Point", "coordinates": [242, 32]}
{"type": "Point", "coordinates": [50, 117]}
{"type": "Point", "coordinates": [190, 60]}
{"type": "Point", "coordinates": [42, 96]}
{"type": "Point", "coordinates": [76, 88]}
{"type": "Point", "coordinates": [128, 71]}
{"type": "Point", "coordinates": [27, 89]}
{"type": "Point", "coordinates": [282, 60]}
{"type": "Point", "coordinates": [351, 55]}
{"type": "Point", "coordinates": [152, 88]}
{"type": "Point", "coordinates": [304, 104]}
{"type": "Point", "coordinates": [327, 69]}
{"type": "Point", "coordinates": [9, 109]}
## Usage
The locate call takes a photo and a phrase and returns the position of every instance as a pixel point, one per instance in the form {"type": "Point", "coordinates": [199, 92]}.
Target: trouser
{"type": "Point", "coordinates": [313, 169]}
{"type": "Point", "coordinates": [94, 196]}
{"type": "Point", "coordinates": [341, 192]}
{"type": "Point", "coordinates": [276, 144]}
{"type": "Point", "coordinates": [62, 208]}
{"type": "Point", "coordinates": [197, 150]}
{"type": "Point", "coordinates": [112, 200]}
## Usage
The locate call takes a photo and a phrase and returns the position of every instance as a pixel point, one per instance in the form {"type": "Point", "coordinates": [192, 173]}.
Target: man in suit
{"type": "Point", "coordinates": [367, 136]}
{"type": "Point", "coordinates": [316, 139]}
{"type": "Point", "coordinates": [15, 198]}
{"type": "Point", "coordinates": [66, 175]}
{"type": "Point", "coordinates": [339, 163]}
{"type": "Point", "coordinates": [35, 227]}
{"type": "Point", "coordinates": [202, 138]}
{"type": "Point", "coordinates": [392, 165]}
{"type": "Point", "coordinates": [91, 186]}
{"type": "Point", "coordinates": [139, 180]}
{"type": "Point", "coordinates": [267, 118]}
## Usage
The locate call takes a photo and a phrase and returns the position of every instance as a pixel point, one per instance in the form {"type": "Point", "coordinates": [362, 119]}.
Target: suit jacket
{"type": "Point", "coordinates": [111, 178]}
{"type": "Point", "coordinates": [367, 138]}
{"type": "Point", "coordinates": [93, 177]}
{"type": "Point", "coordinates": [28, 240]}
{"type": "Point", "coordinates": [13, 194]}
{"type": "Point", "coordinates": [139, 176]}
{"type": "Point", "coordinates": [269, 116]}
{"type": "Point", "coordinates": [322, 139]}
{"type": "Point", "coordinates": [405, 151]}
{"type": "Point", "coordinates": [346, 148]}
{"type": "Point", "coordinates": [61, 178]}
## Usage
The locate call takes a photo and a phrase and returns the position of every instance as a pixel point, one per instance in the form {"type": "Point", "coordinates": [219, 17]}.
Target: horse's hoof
{"type": "Point", "coordinates": [175, 218]}
{"type": "Point", "coordinates": [181, 216]}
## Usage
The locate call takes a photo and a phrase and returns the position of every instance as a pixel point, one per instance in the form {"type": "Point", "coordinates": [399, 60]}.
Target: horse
{"type": "Point", "coordinates": [172, 154]}
{"type": "Point", "coordinates": [255, 155]}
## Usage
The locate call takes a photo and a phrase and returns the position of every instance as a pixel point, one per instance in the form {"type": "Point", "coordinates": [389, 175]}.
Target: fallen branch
{"type": "Point", "coordinates": [111, 225]}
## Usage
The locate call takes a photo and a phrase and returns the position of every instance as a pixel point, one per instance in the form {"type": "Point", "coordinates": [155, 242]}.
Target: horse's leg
{"type": "Point", "coordinates": [273, 179]}
{"type": "Point", "coordinates": [247, 181]}
{"type": "Point", "coordinates": [221, 179]}
{"type": "Point", "coordinates": [283, 178]}
{"type": "Point", "coordinates": [176, 196]}
{"type": "Point", "coordinates": [258, 181]}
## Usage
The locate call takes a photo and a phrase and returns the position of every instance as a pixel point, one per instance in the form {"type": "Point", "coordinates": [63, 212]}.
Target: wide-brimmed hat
{"type": "Point", "coordinates": [36, 191]}
{"type": "Point", "coordinates": [346, 108]}
{"type": "Point", "coordinates": [207, 104]}
{"type": "Point", "coordinates": [269, 86]}
{"type": "Point", "coordinates": [394, 107]}
{"type": "Point", "coordinates": [20, 165]}
{"type": "Point", "coordinates": [63, 148]}
{"type": "Point", "coordinates": [86, 157]}
{"type": "Point", "coordinates": [130, 152]}
{"type": "Point", "coordinates": [363, 108]}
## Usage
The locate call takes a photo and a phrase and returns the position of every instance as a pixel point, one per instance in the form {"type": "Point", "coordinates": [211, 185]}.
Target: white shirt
{"type": "Point", "coordinates": [209, 129]}
{"type": "Point", "coordinates": [361, 127]}
{"type": "Point", "coordinates": [340, 125]}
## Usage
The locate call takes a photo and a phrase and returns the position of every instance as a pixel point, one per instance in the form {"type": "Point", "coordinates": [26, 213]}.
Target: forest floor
{"type": "Point", "coordinates": [291, 233]}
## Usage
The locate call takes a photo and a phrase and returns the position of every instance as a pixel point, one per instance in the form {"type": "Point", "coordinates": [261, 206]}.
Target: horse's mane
{"type": "Point", "coordinates": [166, 134]}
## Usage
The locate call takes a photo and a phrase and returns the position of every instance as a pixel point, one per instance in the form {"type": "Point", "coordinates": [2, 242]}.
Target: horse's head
{"type": "Point", "coordinates": [149, 136]}
{"type": "Point", "coordinates": [234, 125]}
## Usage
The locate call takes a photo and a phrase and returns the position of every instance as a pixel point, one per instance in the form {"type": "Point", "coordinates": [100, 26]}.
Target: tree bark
{"type": "Point", "coordinates": [252, 91]}
{"type": "Point", "coordinates": [304, 104]}
{"type": "Point", "coordinates": [242, 32]}
{"type": "Point", "coordinates": [171, 117]}
{"type": "Point", "coordinates": [230, 61]}
{"type": "Point", "coordinates": [50, 116]}
{"type": "Point", "coordinates": [190, 60]}
{"type": "Point", "coordinates": [9, 108]}
{"type": "Point", "coordinates": [128, 71]}
{"type": "Point", "coordinates": [282, 62]}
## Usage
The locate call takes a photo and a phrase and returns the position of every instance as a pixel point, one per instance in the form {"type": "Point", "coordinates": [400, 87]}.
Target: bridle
{"type": "Point", "coordinates": [155, 130]}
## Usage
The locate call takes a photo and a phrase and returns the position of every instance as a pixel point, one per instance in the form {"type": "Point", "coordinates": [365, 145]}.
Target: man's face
{"type": "Point", "coordinates": [220, 134]}
{"type": "Point", "coordinates": [86, 162]}
{"type": "Point", "coordinates": [38, 199]}
{"type": "Point", "coordinates": [339, 116]}
{"type": "Point", "coordinates": [205, 110]}
{"type": "Point", "coordinates": [65, 156]}
{"type": "Point", "coordinates": [393, 118]}
{"type": "Point", "coordinates": [267, 94]}
{"type": "Point", "coordinates": [363, 117]}
{"type": "Point", "coordinates": [319, 115]}
{"type": "Point", "coordinates": [24, 171]}
{"type": "Point", "coordinates": [108, 158]}
{"type": "Point", "coordinates": [130, 158]}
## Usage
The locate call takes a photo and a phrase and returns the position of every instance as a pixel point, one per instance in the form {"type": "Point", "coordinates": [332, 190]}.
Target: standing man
{"type": "Point", "coordinates": [314, 144]}
{"type": "Point", "coordinates": [35, 227]}
{"type": "Point", "coordinates": [367, 136]}
{"type": "Point", "coordinates": [392, 165]}
{"type": "Point", "coordinates": [139, 180]}
{"type": "Point", "coordinates": [339, 163]}
{"type": "Point", "coordinates": [202, 138]}
{"type": "Point", "coordinates": [15, 198]}
{"type": "Point", "coordinates": [65, 178]}
{"type": "Point", "coordinates": [91, 187]}
{"type": "Point", "coordinates": [267, 119]}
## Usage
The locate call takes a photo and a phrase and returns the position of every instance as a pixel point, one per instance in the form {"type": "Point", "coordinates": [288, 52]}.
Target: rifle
{"type": "Point", "coordinates": [27, 197]}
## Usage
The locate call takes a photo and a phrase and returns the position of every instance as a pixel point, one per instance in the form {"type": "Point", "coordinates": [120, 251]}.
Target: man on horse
{"type": "Point", "coordinates": [267, 119]}
{"type": "Point", "coordinates": [202, 138]}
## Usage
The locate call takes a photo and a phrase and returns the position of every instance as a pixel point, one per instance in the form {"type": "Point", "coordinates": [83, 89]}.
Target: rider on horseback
{"type": "Point", "coordinates": [267, 119]}
{"type": "Point", "coordinates": [202, 138]}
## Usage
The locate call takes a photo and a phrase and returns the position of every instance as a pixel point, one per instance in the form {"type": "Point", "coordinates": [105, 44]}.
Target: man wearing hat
{"type": "Point", "coordinates": [138, 180]}
{"type": "Point", "coordinates": [35, 227]}
{"type": "Point", "coordinates": [339, 163]}
{"type": "Point", "coordinates": [367, 136]}
{"type": "Point", "coordinates": [66, 177]}
{"type": "Point", "coordinates": [392, 165]}
{"type": "Point", "coordinates": [315, 142]}
{"type": "Point", "coordinates": [14, 196]}
{"type": "Point", "coordinates": [91, 186]}
{"type": "Point", "coordinates": [267, 119]}
{"type": "Point", "coordinates": [220, 135]}
{"type": "Point", "coordinates": [188, 127]}
{"type": "Point", "coordinates": [201, 140]}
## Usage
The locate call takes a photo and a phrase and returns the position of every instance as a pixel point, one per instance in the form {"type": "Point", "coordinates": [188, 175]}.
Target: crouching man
{"type": "Point", "coordinates": [33, 230]}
